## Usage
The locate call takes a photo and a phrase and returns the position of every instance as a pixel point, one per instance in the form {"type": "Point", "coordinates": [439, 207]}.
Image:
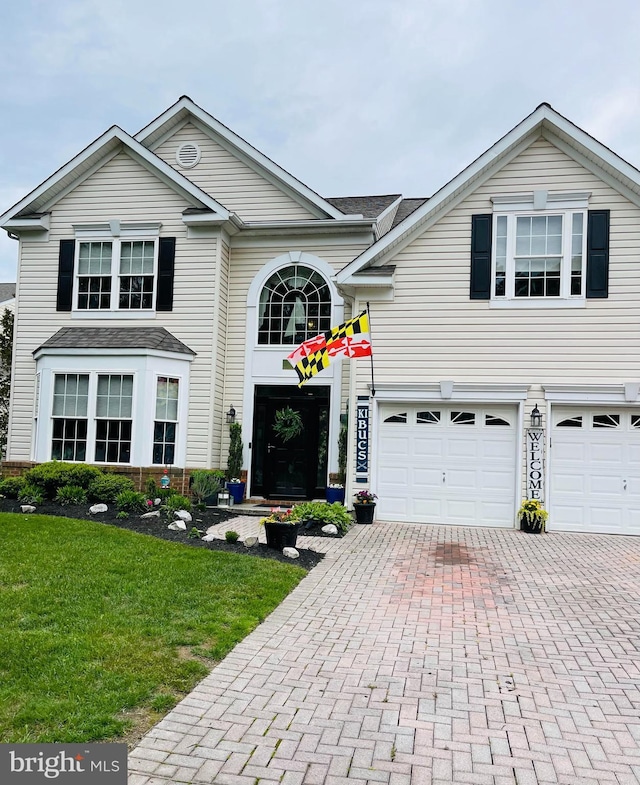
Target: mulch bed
{"type": "Point", "coordinates": [157, 527]}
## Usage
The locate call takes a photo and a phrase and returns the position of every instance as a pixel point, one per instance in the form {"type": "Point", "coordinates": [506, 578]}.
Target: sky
{"type": "Point", "coordinates": [352, 97]}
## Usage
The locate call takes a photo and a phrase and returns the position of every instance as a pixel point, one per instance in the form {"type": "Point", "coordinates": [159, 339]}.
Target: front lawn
{"type": "Point", "coordinates": [99, 625]}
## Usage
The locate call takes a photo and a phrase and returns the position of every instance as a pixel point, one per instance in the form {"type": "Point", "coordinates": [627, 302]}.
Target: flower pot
{"type": "Point", "coordinates": [364, 512]}
{"type": "Point", "coordinates": [236, 489]}
{"type": "Point", "coordinates": [531, 527]}
{"type": "Point", "coordinates": [334, 495]}
{"type": "Point", "coordinates": [281, 535]}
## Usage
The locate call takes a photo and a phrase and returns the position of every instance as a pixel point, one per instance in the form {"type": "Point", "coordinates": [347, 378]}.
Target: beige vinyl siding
{"type": "Point", "coordinates": [124, 190]}
{"type": "Point", "coordinates": [433, 331]}
{"type": "Point", "coordinates": [230, 181]}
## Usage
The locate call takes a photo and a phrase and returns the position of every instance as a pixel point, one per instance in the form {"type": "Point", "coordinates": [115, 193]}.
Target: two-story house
{"type": "Point", "coordinates": [163, 278]}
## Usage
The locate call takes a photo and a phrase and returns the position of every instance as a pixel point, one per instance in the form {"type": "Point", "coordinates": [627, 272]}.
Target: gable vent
{"type": "Point", "coordinates": [188, 155]}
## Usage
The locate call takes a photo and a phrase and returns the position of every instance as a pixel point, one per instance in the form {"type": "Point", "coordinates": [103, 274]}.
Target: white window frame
{"type": "Point", "coordinates": [539, 203]}
{"type": "Point", "coordinates": [166, 421]}
{"type": "Point", "coordinates": [92, 416]}
{"type": "Point", "coordinates": [115, 233]}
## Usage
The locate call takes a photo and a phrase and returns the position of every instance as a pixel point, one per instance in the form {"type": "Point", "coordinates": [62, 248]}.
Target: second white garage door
{"type": "Point", "coordinates": [595, 470]}
{"type": "Point", "coordinates": [447, 464]}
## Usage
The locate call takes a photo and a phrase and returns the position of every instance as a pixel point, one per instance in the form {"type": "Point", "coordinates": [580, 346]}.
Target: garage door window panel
{"type": "Point", "coordinates": [397, 418]}
{"type": "Point", "coordinates": [489, 419]}
{"type": "Point", "coordinates": [606, 420]}
{"type": "Point", "coordinates": [463, 418]}
{"type": "Point", "coordinates": [428, 418]}
{"type": "Point", "coordinates": [571, 422]}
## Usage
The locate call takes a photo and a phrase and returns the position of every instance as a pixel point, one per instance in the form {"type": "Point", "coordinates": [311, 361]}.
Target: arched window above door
{"type": "Point", "coordinates": [295, 304]}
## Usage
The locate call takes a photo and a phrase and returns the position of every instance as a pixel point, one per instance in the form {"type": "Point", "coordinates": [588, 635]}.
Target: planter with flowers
{"type": "Point", "coordinates": [364, 506]}
{"type": "Point", "coordinates": [532, 516]}
{"type": "Point", "coordinates": [281, 529]}
{"type": "Point", "coordinates": [335, 493]}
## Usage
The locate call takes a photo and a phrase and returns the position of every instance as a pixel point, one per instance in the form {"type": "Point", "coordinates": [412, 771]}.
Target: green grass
{"type": "Point", "coordinates": [99, 624]}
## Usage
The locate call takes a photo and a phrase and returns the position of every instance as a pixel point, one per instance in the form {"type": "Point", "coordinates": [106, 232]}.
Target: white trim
{"type": "Point", "coordinates": [541, 200]}
{"type": "Point", "coordinates": [117, 228]}
{"type": "Point", "coordinates": [393, 207]}
{"type": "Point", "coordinates": [588, 394]}
{"type": "Point", "coordinates": [28, 223]}
{"type": "Point", "coordinates": [538, 302]}
{"type": "Point", "coordinates": [478, 393]}
{"type": "Point", "coordinates": [198, 154]}
{"type": "Point", "coordinates": [241, 146]}
{"type": "Point", "coordinates": [49, 351]}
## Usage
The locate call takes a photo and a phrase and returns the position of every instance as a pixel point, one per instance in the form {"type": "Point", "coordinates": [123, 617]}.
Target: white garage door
{"type": "Point", "coordinates": [595, 470]}
{"type": "Point", "coordinates": [447, 464]}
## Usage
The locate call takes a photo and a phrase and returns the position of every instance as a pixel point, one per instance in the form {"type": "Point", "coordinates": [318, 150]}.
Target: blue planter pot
{"type": "Point", "coordinates": [335, 495]}
{"type": "Point", "coordinates": [236, 489]}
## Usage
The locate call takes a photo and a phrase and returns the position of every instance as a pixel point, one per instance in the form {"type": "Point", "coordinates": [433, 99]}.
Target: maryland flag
{"type": "Point", "coordinates": [350, 339]}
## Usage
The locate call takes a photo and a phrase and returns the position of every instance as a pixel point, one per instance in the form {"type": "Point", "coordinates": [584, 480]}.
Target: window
{"type": "Point", "coordinates": [397, 418]}
{"type": "Point", "coordinates": [113, 418]}
{"type": "Point", "coordinates": [430, 418]}
{"type": "Point", "coordinates": [165, 424]}
{"type": "Point", "coordinates": [539, 255]}
{"type": "Point", "coordinates": [69, 429]}
{"type": "Point", "coordinates": [463, 418]}
{"type": "Point", "coordinates": [606, 421]}
{"type": "Point", "coordinates": [295, 304]}
{"type": "Point", "coordinates": [92, 422]}
{"type": "Point", "coordinates": [116, 275]}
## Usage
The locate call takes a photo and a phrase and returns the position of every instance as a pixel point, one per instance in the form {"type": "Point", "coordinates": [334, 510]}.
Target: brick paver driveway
{"type": "Point", "coordinates": [421, 654]}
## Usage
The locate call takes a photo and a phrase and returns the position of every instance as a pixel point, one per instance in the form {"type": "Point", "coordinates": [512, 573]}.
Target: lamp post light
{"type": "Point", "coordinates": [536, 417]}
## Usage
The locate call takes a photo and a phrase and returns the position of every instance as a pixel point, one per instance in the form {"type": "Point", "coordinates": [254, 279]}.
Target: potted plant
{"type": "Point", "coordinates": [235, 485]}
{"type": "Point", "coordinates": [364, 506]}
{"type": "Point", "coordinates": [205, 485]}
{"type": "Point", "coordinates": [335, 493]}
{"type": "Point", "coordinates": [532, 516]}
{"type": "Point", "coordinates": [281, 529]}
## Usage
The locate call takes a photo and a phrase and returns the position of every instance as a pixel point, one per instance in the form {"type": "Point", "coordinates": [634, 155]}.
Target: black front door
{"type": "Point", "coordinates": [293, 468]}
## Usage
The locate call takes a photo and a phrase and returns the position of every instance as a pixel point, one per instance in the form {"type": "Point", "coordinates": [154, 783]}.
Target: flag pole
{"type": "Point", "coordinates": [373, 384]}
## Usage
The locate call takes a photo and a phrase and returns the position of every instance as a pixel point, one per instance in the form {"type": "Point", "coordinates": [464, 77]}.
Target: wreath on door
{"type": "Point", "coordinates": [288, 424]}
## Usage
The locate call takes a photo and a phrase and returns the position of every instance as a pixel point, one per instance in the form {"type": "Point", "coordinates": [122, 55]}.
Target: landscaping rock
{"type": "Point", "coordinates": [250, 542]}
{"type": "Point", "coordinates": [178, 526]}
{"type": "Point", "coordinates": [96, 508]}
{"type": "Point", "coordinates": [210, 537]}
{"type": "Point", "coordinates": [183, 515]}
{"type": "Point", "coordinates": [157, 502]}
{"type": "Point", "coordinates": [330, 528]}
{"type": "Point", "coordinates": [152, 514]}
{"type": "Point", "coordinates": [290, 553]}
{"type": "Point", "coordinates": [28, 508]}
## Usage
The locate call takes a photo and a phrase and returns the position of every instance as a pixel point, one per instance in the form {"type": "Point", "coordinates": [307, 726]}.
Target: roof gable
{"type": "Point", "coordinates": [185, 109]}
{"type": "Point", "coordinates": [544, 121]}
{"type": "Point", "coordinates": [103, 149]}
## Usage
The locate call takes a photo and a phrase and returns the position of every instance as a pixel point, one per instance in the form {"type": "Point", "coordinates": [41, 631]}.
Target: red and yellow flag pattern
{"type": "Point", "coordinates": [348, 340]}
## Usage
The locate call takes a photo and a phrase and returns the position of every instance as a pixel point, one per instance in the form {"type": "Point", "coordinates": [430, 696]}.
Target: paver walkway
{"type": "Point", "coordinates": [418, 654]}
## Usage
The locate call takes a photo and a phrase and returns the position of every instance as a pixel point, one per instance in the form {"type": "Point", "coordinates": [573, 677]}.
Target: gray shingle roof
{"type": "Point", "coordinates": [116, 338]}
{"type": "Point", "coordinates": [367, 206]}
{"type": "Point", "coordinates": [7, 291]}
{"type": "Point", "coordinates": [407, 206]}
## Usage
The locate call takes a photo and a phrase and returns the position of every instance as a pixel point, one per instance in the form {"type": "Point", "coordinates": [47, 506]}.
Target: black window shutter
{"type": "Point", "coordinates": [66, 257]}
{"type": "Point", "coordinates": [481, 257]}
{"type": "Point", "coordinates": [598, 253]}
{"type": "Point", "coordinates": [166, 264]}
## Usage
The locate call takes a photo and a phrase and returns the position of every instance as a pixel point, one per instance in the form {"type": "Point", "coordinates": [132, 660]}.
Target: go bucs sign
{"type": "Point", "coordinates": [362, 438]}
{"type": "Point", "coordinates": [535, 463]}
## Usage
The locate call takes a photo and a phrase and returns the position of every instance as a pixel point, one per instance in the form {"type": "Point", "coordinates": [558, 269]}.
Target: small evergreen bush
{"type": "Point", "coordinates": [231, 536]}
{"type": "Point", "coordinates": [11, 487]}
{"type": "Point", "coordinates": [107, 487]}
{"type": "Point", "coordinates": [51, 476]}
{"type": "Point", "coordinates": [174, 503]}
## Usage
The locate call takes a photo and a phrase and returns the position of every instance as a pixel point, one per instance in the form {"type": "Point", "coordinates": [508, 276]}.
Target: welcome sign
{"type": "Point", "coordinates": [535, 463]}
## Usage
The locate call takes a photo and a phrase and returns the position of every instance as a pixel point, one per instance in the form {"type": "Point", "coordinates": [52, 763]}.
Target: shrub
{"type": "Point", "coordinates": [335, 513]}
{"type": "Point", "coordinates": [151, 488]}
{"type": "Point", "coordinates": [122, 515]}
{"type": "Point", "coordinates": [71, 494]}
{"type": "Point", "coordinates": [174, 503]}
{"type": "Point", "coordinates": [31, 494]}
{"type": "Point", "coordinates": [234, 464]}
{"type": "Point", "coordinates": [131, 501]}
{"type": "Point", "coordinates": [231, 536]}
{"type": "Point", "coordinates": [205, 483]}
{"type": "Point", "coordinates": [107, 488]}
{"type": "Point", "coordinates": [56, 474]}
{"type": "Point", "coordinates": [11, 487]}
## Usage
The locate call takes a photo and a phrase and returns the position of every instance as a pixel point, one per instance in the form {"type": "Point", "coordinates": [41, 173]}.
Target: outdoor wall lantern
{"type": "Point", "coordinates": [536, 417]}
{"type": "Point", "coordinates": [231, 415]}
